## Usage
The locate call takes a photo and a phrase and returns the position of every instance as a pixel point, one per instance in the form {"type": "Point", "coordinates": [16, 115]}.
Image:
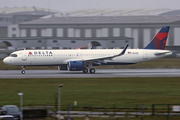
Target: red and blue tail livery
{"type": "Point", "coordinates": [159, 41]}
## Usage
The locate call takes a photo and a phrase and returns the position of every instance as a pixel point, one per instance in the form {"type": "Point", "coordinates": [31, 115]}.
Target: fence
{"type": "Point", "coordinates": [165, 111]}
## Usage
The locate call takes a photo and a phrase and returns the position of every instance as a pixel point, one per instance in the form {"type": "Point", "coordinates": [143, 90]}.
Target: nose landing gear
{"type": "Point", "coordinates": [23, 70]}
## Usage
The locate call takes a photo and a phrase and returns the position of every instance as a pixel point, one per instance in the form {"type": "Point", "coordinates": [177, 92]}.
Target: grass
{"type": "Point", "coordinates": [96, 92]}
{"type": "Point", "coordinates": [102, 92]}
{"type": "Point", "coordinates": [158, 63]}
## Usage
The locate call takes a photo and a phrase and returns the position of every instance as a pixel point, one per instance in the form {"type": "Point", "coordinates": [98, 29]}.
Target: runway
{"type": "Point", "coordinates": [99, 73]}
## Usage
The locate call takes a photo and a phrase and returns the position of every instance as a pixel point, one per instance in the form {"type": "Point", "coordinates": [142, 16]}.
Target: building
{"type": "Point", "coordinates": [11, 17]}
{"type": "Point", "coordinates": [141, 28]}
{"type": "Point", "coordinates": [100, 28]}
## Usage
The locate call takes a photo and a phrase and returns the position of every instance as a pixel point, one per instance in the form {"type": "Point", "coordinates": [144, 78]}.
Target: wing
{"type": "Point", "coordinates": [97, 59]}
{"type": "Point", "coordinates": [105, 58]}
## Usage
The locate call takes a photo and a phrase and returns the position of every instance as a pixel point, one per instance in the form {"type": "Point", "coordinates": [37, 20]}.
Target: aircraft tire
{"type": "Point", "coordinates": [23, 71]}
{"type": "Point", "coordinates": [85, 70]}
{"type": "Point", "coordinates": [92, 70]}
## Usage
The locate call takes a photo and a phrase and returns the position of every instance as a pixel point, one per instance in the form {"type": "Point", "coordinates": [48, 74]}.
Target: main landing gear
{"type": "Point", "coordinates": [85, 70]}
{"type": "Point", "coordinates": [91, 70]}
{"type": "Point", "coordinates": [23, 70]}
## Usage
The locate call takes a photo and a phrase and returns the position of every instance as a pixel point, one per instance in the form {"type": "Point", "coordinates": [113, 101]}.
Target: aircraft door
{"type": "Point", "coordinates": [24, 56]}
{"type": "Point", "coordinates": [145, 55]}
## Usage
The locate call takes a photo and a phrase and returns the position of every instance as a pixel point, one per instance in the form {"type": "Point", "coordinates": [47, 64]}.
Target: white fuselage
{"type": "Point", "coordinates": [59, 57]}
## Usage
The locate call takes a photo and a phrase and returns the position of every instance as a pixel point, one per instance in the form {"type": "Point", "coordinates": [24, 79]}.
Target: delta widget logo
{"type": "Point", "coordinates": [30, 53]}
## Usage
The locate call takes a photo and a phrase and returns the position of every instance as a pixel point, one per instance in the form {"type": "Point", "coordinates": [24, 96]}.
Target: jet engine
{"type": "Point", "coordinates": [75, 66]}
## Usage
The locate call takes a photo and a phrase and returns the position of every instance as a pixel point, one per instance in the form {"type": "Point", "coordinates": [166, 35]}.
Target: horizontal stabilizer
{"type": "Point", "coordinates": [161, 53]}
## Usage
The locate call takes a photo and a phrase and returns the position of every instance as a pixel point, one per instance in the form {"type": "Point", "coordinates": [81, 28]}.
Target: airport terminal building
{"type": "Point", "coordinates": [104, 29]}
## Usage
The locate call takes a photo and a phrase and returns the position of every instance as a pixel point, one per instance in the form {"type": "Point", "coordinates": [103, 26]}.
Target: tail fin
{"type": "Point", "coordinates": [159, 41]}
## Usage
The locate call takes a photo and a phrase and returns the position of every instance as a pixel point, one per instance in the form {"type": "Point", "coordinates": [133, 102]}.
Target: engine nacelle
{"type": "Point", "coordinates": [75, 66]}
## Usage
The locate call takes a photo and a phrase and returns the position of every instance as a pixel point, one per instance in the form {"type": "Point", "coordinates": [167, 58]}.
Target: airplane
{"type": "Point", "coordinates": [81, 60]}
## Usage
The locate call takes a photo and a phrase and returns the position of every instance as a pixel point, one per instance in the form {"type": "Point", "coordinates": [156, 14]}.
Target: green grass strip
{"type": "Point", "coordinates": [102, 92]}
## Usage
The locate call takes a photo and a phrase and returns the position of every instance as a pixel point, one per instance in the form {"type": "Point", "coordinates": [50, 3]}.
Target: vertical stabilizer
{"type": "Point", "coordinates": [159, 41]}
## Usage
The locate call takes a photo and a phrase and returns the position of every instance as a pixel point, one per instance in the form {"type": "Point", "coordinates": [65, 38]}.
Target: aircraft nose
{"type": "Point", "coordinates": [5, 60]}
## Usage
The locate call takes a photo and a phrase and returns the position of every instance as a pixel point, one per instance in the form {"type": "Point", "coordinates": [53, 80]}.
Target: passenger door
{"type": "Point", "coordinates": [24, 56]}
{"type": "Point", "coordinates": [145, 55]}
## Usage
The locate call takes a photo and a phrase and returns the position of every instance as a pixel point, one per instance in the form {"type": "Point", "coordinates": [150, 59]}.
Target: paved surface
{"type": "Point", "coordinates": [99, 73]}
{"type": "Point", "coordinates": [110, 114]}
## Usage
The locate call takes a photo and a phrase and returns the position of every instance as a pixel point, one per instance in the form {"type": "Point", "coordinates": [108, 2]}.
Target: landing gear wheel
{"type": "Point", "coordinates": [92, 70]}
{"type": "Point", "coordinates": [85, 70]}
{"type": "Point", "coordinates": [23, 71]}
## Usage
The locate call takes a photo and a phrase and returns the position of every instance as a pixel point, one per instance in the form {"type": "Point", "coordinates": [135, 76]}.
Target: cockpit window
{"type": "Point", "coordinates": [13, 55]}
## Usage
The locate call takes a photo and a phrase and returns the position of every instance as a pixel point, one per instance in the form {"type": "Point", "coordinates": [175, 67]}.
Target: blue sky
{"type": "Point", "coordinates": [67, 5]}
